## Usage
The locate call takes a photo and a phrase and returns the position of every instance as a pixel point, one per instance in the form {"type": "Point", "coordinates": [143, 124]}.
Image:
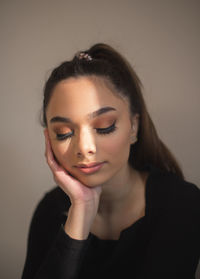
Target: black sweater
{"type": "Point", "coordinates": [163, 244]}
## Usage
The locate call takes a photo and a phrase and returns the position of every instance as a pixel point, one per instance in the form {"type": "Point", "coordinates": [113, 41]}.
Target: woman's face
{"type": "Point", "coordinates": [90, 129]}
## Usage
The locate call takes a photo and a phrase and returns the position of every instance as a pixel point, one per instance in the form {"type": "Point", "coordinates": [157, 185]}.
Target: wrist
{"type": "Point", "coordinates": [79, 221]}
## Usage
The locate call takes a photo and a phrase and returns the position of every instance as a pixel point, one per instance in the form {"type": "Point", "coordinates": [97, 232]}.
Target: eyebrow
{"type": "Point", "coordinates": [90, 115]}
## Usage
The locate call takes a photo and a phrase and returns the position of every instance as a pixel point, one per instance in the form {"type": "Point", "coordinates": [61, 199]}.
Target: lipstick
{"type": "Point", "coordinates": [90, 168]}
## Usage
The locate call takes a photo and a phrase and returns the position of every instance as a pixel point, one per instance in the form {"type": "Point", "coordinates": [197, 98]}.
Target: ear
{"type": "Point", "coordinates": [134, 129]}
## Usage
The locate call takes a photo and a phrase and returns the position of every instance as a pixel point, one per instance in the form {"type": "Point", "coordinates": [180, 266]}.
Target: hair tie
{"type": "Point", "coordinates": [83, 55]}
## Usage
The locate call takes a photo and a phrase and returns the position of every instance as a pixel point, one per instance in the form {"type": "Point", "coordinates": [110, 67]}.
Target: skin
{"type": "Point", "coordinates": [114, 190]}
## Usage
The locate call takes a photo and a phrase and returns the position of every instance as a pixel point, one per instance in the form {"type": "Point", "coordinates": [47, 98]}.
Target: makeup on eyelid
{"type": "Point", "coordinates": [104, 122]}
{"type": "Point", "coordinates": [98, 124]}
{"type": "Point", "coordinates": [100, 131]}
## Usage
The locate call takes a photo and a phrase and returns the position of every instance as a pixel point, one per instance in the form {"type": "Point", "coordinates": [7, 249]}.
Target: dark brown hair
{"type": "Point", "coordinates": [103, 61]}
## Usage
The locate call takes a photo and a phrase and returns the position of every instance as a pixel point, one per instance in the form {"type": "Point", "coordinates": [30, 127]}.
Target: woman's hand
{"type": "Point", "coordinates": [84, 200]}
{"type": "Point", "coordinates": [77, 192]}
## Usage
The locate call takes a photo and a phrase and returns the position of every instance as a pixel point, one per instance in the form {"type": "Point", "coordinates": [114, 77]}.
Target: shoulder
{"type": "Point", "coordinates": [166, 191]}
{"type": "Point", "coordinates": [173, 225]}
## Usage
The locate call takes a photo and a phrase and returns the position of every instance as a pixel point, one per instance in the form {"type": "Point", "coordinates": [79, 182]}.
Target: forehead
{"type": "Point", "coordinates": [76, 97]}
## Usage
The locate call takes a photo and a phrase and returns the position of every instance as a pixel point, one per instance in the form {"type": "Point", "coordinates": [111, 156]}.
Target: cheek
{"type": "Point", "coordinates": [61, 151]}
{"type": "Point", "coordinates": [117, 146]}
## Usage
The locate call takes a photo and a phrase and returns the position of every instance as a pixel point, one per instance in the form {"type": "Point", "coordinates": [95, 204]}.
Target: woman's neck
{"type": "Point", "coordinates": [123, 188]}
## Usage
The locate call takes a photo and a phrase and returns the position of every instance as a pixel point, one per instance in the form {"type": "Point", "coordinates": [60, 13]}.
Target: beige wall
{"type": "Point", "coordinates": [160, 38]}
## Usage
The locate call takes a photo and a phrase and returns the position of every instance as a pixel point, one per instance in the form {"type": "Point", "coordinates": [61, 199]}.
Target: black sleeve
{"type": "Point", "coordinates": [174, 248]}
{"type": "Point", "coordinates": [51, 253]}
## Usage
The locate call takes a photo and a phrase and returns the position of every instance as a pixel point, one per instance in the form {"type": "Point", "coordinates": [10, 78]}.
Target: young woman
{"type": "Point", "coordinates": [122, 208]}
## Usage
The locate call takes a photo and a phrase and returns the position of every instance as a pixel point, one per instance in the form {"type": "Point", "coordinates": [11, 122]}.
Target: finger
{"type": "Point", "coordinates": [50, 159]}
{"type": "Point", "coordinates": [49, 154]}
{"type": "Point", "coordinates": [60, 174]}
{"type": "Point", "coordinates": [46, 136]}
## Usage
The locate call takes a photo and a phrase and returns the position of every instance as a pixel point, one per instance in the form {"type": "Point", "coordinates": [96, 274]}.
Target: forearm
{"type": "Point", "coordinates": [79, 221]}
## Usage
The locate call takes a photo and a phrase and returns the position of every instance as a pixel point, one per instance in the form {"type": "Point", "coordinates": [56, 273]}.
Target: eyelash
{"type": "Point", "coordinates": [101, 131]}
{"type": "Point", "coordinates": [64, 136]}
{"type": "Point", "coordinates": [108, 130]}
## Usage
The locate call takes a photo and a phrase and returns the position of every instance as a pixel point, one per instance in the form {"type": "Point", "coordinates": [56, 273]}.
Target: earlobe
{"type": "Point", "coordinates": [134, 131]}
{"type": "Point", "coordinates": [135, 125]}
{"type": "Point", "coordinates": [133, 138]}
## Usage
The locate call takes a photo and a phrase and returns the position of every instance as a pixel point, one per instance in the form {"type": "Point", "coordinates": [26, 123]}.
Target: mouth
{"type": "Point", "coordinates": [90, 168]}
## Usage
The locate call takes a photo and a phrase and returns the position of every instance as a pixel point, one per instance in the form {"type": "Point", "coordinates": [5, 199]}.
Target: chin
{"type": "Point", "coordinates": [92, 180]}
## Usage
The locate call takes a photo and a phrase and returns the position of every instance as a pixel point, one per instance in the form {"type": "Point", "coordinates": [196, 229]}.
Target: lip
{"type": "Point", "coordinates": [90, 168]}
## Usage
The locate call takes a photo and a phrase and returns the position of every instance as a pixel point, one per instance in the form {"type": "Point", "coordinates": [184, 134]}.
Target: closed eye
{"type": "Point", "coordinates": [102, 131]}
{"type": "Point", "coordinates": [106, 130]}
{"type": "Point", "coordinates": [64, 136]}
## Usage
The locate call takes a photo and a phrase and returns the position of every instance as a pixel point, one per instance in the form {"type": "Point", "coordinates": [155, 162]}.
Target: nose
{"type": "Point", "coordinates": [85, 143]}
